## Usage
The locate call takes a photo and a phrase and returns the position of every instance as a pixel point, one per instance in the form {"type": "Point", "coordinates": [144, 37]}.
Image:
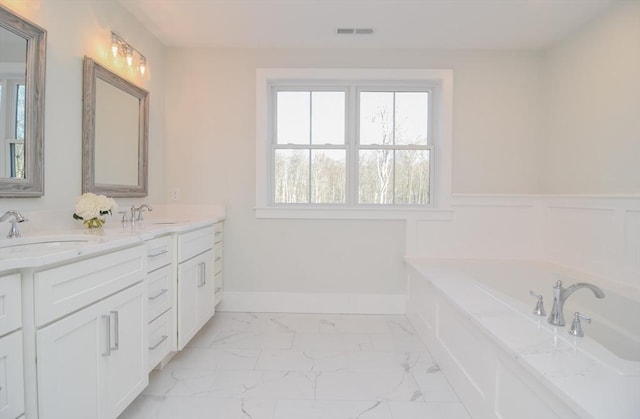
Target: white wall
{"type": "Point", "coordinates": [211, 158]}
{"type": "Point", "coordinates": [592, 104]}
{"type": "Point", "coordinates": [75, 29]}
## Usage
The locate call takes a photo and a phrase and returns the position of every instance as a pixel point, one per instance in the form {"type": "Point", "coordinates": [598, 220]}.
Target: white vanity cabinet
{"type": "Point", "coordinates": [91, 335]}
{"type": "Point", "coordinates": [11, 371]}
{"type": "Point", "coordinates": [196, 292]}
{"type": "Point", "coordinates": [218, 280]}
{"type": "Point", "coordinates": [161, 282]}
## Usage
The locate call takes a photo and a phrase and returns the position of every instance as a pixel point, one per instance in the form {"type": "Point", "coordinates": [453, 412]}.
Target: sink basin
{"type": "Point", "coordinates": [26, 244]}
{"type": "Point", "coordinates": [165, 221]}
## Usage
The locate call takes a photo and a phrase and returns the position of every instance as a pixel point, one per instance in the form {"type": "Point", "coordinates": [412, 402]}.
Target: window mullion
{"type": "Point", "coordinates": [352, 146]}
{"type": "Point", "coordinates": [393, 153]}
{"type": "Point", "coordinates": [310, 143]}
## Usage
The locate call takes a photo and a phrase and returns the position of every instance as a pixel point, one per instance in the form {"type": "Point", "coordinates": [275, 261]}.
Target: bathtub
{"type": "Point", "coordinates": [476, 318]}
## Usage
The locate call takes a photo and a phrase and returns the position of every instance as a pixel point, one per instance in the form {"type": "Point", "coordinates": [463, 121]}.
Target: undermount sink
{"type": "Point", "coordinates": [24, 244]}
{"type": "Point", "coordinates": [160, 221]}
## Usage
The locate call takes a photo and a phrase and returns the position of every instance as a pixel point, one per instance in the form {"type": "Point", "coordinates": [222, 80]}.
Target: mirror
{"type": "Point", "coordinates": [22, 78]}
{"type": "Point", "coordinates": [114, 134]}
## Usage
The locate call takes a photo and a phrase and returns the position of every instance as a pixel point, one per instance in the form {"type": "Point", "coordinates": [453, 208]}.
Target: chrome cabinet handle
{"type": "Point", "coordinates": [116, 331]}
{"type": "Point", "coordinates": [162, 339]}
{"type": "Point", "coordinates": [156, 254]}
{"type": "Point", "coordinates": [107, 329]}
{"type": "Point", "coordinates": [203, 278]}
{"type": "Point", "coordinates": [162, 292]}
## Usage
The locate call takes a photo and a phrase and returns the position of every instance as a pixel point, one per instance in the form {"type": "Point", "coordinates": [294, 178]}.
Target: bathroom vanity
{"type": "Point", "coordinates": [85, 317]}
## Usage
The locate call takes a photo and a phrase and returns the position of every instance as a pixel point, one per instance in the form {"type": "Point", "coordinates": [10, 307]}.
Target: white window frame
{"type": "Point", "coordinates": [10, 83]}
{"type": "Point", "coordinates": [440, 85]}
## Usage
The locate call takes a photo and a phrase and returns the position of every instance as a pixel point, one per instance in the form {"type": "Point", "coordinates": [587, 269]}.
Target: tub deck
{"type": "Point", "coordinates": [496, 350]}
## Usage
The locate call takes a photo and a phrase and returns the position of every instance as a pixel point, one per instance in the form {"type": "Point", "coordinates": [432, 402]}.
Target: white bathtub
{"type": "Point", "coordinates": [505, 362]}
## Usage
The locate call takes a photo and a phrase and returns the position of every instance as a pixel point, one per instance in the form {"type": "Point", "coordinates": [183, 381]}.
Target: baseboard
{"type": "Point", "coordinates": [286, 302]}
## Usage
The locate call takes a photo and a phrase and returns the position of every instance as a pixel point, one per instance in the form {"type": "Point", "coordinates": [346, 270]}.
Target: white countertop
{"type": "Point", "coordinates": [58, 245]}
{"type": "Point", "coordinates": [589, 385]}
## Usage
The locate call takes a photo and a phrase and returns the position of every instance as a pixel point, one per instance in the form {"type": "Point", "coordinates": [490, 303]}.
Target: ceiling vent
{"type": "Point", "coordinates": [354, 31]}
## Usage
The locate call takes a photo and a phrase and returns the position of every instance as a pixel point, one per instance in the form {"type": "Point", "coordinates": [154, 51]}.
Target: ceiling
{"type": "Point", "coordinates": [482, 24]}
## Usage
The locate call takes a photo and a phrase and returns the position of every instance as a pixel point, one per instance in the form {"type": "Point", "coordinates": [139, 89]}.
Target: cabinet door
{"type": "Point", "coordinates": [126, 366]}
{"type": "Point", "coordinates": [206, 289]}
{"type": "Point", "coordinates": [195, 296]}
{"type": "Point", "coordinates": [89, 365]}
{"type": "Point", "coordinates": [187, 297]}
{"type": "Point", "coordinates": [11, 376]}
{"type": "Point", "coordinates": [69, 353]}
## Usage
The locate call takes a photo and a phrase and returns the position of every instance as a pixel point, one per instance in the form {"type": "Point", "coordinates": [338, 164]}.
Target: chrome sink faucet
{"type": "Point", "coordinates": [560, 295]}
{"type": "Point", "coordinates": [17, 218]}
{"type": "Point", "coordinates": [138, 210]}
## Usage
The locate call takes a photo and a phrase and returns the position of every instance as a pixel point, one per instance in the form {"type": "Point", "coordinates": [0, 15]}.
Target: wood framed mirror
{"type": "Point", "coordinates": [115, 127]}
{"type": "Point", "coordinates": [22, 79]}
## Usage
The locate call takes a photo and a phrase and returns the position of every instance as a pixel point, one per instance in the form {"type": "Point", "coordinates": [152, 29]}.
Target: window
{"type": "Point", "coordinates": [309, 147]}
{"type": "Point", "coordinates": [353, 139]}
{"type": "Point", "coordinates": [12, 125]}
{"type": "Point", "coordinates": [394, 147]}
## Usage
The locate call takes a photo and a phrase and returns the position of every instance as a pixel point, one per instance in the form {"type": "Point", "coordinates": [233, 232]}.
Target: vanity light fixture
{"type": "Point", "coordinates": [120, 47]}
{"type": "Point", "coordinates": [354, 31]}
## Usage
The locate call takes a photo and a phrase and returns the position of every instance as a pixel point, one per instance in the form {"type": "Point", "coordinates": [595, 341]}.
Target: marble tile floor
{"type": "Point", "coordinates": [300, 366]}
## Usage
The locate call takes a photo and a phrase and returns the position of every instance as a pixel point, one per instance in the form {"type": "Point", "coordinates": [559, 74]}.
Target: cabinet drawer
{"type": "Point", "coordinates": [194, 242]}
{"type": "Point", "coordinates": [10, 303]}
{"type": "Point", "coordinates": [160, 252]}
{"type": "Point", "coordinates": [218, 286]}
{"type": "Point", "coordinates": [217, 251]}
{"type": "Point", "coordinates": [67, 288]}
{"type": "Point", "coordinates": [11, 376]}
{"type": "Point", "coordinates": [160, 291]}
{"type": "Point", "coordinates": [217, 230]}
{"type": "Point", "coordinates": [159, 339]}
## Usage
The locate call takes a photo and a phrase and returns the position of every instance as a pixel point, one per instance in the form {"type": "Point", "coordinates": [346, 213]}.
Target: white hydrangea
{"type": "Point", "coordinates": [90, 205]}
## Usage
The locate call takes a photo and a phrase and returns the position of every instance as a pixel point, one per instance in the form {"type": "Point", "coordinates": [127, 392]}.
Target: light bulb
{"type": "Point", "coordinates": [114, 46]}
{"type": "Point", "coordinates": [143, 65]}
{"type": "Point", "coordinates": [128, 55]}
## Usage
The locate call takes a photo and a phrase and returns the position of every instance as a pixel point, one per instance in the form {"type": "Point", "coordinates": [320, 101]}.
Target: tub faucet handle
{"type": "Point", "coordinates": [576, 326]}
{"type": "Point", "coordinates": [539, 309]}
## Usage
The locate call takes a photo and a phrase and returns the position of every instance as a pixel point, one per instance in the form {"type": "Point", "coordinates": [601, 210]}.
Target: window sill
{"type": "Point", "coordinates": [353, 213]}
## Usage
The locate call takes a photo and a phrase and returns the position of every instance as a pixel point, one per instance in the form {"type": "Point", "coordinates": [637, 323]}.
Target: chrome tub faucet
{"type": "Point", "coordinates": [560, 295]}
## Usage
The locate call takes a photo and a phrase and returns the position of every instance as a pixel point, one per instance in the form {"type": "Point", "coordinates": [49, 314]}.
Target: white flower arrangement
{"type": "Point", "coordinates": [91, 207]}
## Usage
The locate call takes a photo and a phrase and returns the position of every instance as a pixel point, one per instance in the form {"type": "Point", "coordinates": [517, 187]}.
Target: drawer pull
{"type": "Point", "coordinates": [116, 331]}
{"type": "Point", "coordinates": [162, 339]}
{"type": "Point", "coordinates": [107, 328]}
{"type": "Point", "coordinates": [162, 292]}
{"type": "Point", "coordinates": [203, 275]}
{"type": "Point", "coordinates": [158, 253]}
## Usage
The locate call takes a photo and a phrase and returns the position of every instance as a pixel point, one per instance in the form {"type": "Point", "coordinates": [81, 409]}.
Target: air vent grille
{"type": "Point", "coordinates": [354, 31]}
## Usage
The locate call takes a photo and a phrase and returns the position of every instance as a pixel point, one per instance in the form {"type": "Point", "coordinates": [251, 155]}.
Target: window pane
{"type": "Point", "coordinates": [291, 176]}
{"type": "Point", "coordinates": [376, 182]}
{"type": "Point", "coordinates": [20, 106]}
{"type": "Point", "coordinates": [327, 117]}
{"type": "Point", "coordinates": [412, 177]}
{"type": "Point", "coordinates": [328, 176]}
{"type": "Point", "coordinates": [16, 153]}
{"type": "Point", "coordinates": [376, 116]}
{"type": "Point", "coordinates": [293, 117]}
{"type": "Point", "coordinates": [411, 117]}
